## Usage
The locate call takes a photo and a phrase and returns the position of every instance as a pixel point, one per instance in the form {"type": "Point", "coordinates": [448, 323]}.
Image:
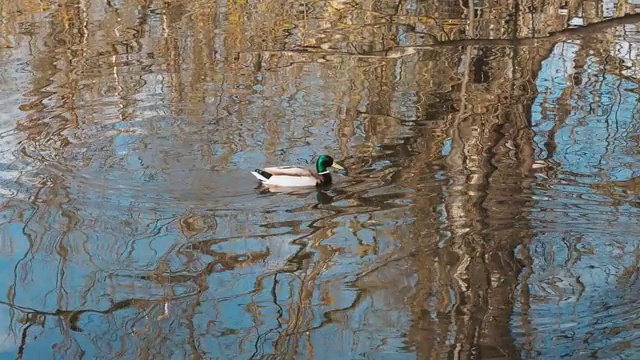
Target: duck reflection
{"type": "Point", "coordinates": [322, 193]}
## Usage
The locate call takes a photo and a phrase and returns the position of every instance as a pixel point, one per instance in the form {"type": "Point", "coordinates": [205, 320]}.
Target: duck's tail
{"type": "Point", "coordinates": [261, 175]}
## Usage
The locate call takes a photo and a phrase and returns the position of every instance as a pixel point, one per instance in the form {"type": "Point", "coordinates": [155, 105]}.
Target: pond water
{"type": "Point", "coordinates": [490, 208]}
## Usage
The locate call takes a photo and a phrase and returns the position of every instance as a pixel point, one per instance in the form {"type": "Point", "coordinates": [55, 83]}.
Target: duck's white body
{"type": "Point", "coordinates": [289, 176]}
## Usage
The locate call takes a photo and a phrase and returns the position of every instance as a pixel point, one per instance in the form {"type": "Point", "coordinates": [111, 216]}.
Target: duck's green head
{"type": "Point", "coordinates": [324, 162]}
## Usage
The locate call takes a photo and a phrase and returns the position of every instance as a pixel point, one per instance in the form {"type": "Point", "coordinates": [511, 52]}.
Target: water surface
{"type": "Point", "coordinates": [490, 209]}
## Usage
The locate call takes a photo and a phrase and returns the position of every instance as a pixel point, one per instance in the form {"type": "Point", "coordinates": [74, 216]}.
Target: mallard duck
{"type": "Point", "coordinates": [291, 176]}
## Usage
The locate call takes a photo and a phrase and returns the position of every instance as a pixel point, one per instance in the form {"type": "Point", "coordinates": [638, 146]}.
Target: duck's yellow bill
{"type": "Point", "coordinates": [337, 166]}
